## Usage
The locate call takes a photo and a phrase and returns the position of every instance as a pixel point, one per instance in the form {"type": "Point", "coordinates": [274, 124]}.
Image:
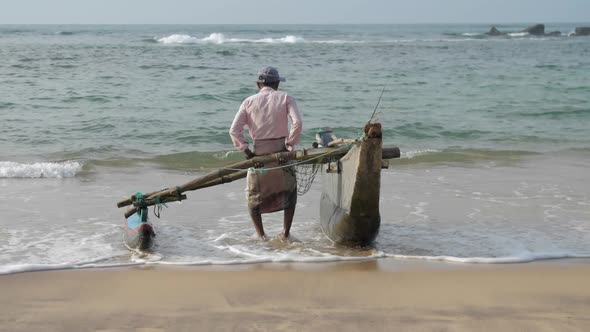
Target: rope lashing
{"type": "Point", "coordinates": [260, 170]}
{"type": "Point", "coordinates": [142, 212]}
{"type": "Point", "coordinates": [158, 207]}
{"type": "Point", "coordinates": [178, 193]}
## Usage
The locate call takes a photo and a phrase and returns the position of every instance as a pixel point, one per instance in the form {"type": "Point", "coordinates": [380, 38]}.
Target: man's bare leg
{"type": "Point", "coordinates": [288, 220]}
{"type": "Point", "coordinates": [257, 221]}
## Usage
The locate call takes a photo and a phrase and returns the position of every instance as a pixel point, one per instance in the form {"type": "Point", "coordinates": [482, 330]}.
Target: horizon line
{"type": "Point", "coordinates": [310, 23]}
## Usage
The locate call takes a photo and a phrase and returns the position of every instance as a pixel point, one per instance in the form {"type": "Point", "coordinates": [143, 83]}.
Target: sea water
{"type": "Point", "coordinates": [494, 134]}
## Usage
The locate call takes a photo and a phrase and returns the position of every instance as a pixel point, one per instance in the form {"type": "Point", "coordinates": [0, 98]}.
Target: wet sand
{"type": "Point", "coordinates": [372, 296]}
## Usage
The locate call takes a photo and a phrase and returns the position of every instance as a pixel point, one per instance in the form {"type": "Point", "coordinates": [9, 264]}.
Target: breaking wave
{"type": "Point", "coordinates": [460, 155]}
{"type": "Point", "coordinates": [219, 38]}
{"type": "Point", "coordinates": [518, 34]}
{"type": "Point", "coordinates": [209, 160]}
{"type": "Point", "coordinates": [65, 169]}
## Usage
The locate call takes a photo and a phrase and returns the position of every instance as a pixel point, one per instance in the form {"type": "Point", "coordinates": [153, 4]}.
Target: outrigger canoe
{"type": "Point", "coordinates": [351, 182]}
{"type": "Point", "coordinates": [349, 208]}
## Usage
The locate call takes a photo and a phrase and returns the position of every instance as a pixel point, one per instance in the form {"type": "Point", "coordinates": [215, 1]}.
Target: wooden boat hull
{"type": "Point", "coordinates": [140, 234]}
{"type": "Point", "coordinates": [349, 208]}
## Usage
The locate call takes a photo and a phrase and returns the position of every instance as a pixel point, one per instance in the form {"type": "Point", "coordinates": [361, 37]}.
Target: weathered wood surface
{"type": "Point", "coordinates": [163, 198]}
{"type": "Point", "coordinates": [349, 207]}
{"type": "Point", "coordinates": [233, 172]}
{"type": "Point", "coordinates": [239, 170]}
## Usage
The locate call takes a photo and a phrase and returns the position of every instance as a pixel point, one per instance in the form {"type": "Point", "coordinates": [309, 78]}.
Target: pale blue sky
{"type": "Point", "coordinates": [300, 11]}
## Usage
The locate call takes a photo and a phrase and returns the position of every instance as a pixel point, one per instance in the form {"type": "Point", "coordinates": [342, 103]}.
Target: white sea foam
{"type": "Point", "coordinates": [285, 40]}
{"type": "Point", "coordinates": [221, 237]}
{"type": "Point", "coordinates": [32, 267]}
{"type": "Point", "coordinates": [284, 258]}
{"type": "Point", "coordinates": [215, 38]}
{"type": "Point", "coordinates": [523, 258]}
{"type": "Point", "coordinates": [179, 39]}
{"type": "Point", "coordinates": [415, 153]}
{"type": "Point", "coordinates": [18, 268]}
{"type": "Point", "coordinates": [65, 169]}
{"type": "Point", "coordinates": [156, 260]}
{"type": "Point", "coordinates": [219, 38]}
{"type": "Point", "coordinates": [518, 34]}
{"type": "Point", "coordinates": [338, 41]}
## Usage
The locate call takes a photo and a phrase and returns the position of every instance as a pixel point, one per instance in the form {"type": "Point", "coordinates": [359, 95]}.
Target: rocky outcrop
{"type": "Point", "coordinates": [583, 31]}
{"type": "Point", "coordinates": [536, 30]}
{"type": "Point", "coordinates": [494, 32]}
{"type": "Point", "coordinates": [553, 34]}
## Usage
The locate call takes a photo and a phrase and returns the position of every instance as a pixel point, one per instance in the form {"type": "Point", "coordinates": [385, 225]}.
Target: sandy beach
{"type": "Point", "coordinates": [373, 295]}
{"type": "Point", "coordinates": [478, 218]}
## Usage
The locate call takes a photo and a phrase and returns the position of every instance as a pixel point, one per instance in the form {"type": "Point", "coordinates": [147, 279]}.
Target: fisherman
{"type": "Point", "coordinates": [266, 114]}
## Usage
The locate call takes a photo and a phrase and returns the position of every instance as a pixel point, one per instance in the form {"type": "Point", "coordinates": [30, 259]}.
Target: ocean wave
{"type": "Point", "coordinates": [339, 41]}
{"type": "Point", "coordinates": [219, 38]}
{"type": "Point", "coordinates": [7, 105]}
{"type": "Point", "coordinates": [518, 34]}
{"type": "Point", "coordinates": [91, 98]}
{"type": "Point", "coordinates": [415, 153]}
{"type": "Point", "coordinates": [466, 35]}
{"type": "Point", "coordinates": [523, 258]}
{"type": "Point", "coordinates": [460, 155]}
{"type": "Point", "coordinates": [509, 35]}
{"type": "Point", "coordinates": [197, 160]}
{"type": "Point", "coordinates": [96, 263]}
{"type": "Point", "coordinates": [21, 268]}
{"type": "Point", "coordinates": [209, 160]}
{"type": "Point", "coordinates": [65, 169]}
{"type": "Point", "coordinates": [556, 115]}
{"type": "Point", "coordinates": [28, 267]}
{"type": "Point", "coordinates": [472, 34]}
{"type": "Point", "coordinates": [126, 158]}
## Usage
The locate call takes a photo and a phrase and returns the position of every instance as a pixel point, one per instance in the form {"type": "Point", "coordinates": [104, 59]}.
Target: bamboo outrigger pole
{"type": "Point", "coordinates": [239, 170]}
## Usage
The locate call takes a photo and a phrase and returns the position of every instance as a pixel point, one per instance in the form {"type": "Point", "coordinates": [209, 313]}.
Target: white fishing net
{"type": "Point", "coordinates": [305, 174]}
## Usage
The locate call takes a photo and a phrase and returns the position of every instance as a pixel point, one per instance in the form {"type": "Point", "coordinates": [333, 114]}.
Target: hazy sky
{"type": "Point", "coordinates": [293, 11]}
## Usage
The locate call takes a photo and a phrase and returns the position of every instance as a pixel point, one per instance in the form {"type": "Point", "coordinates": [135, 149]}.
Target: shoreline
{"type": "Point", "coordinates": [378, 264]}
{"type": "Point", "coordinates": [344, 296]}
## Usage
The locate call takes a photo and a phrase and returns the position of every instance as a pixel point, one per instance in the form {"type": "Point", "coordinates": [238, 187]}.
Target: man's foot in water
{"type": "Point", "coordinates": [288, 239]}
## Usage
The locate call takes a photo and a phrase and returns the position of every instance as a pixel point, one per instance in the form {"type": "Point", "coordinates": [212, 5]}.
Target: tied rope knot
{"type": "Point", "coordinates": [260, 170]}
{"type": "Point", "coordinates": [142, 210]}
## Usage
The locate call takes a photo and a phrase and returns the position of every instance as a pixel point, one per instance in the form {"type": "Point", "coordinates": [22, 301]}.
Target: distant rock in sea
{"type": "Point", "coordinates": [582, 31]}
{"type": "Point", "coordinates": [534, 30]}
{"type": "Point", "coordinates": [494, 32]}
{"type": "Point", "coordinates": [553, 34]}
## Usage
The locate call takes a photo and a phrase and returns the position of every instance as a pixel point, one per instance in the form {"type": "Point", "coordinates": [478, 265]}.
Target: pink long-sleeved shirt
{"type": "Point", "coordinates": [267, 116]}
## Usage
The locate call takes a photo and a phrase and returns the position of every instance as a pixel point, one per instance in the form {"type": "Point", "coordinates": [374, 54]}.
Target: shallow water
{"type": "Point", "coordinates": [493, 133]}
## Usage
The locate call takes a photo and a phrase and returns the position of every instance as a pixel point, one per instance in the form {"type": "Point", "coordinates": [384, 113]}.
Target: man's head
{"type": "Point", "coordinates": [269, 76]}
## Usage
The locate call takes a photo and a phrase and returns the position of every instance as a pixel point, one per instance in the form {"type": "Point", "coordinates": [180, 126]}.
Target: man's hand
{"type": "Point", "coordinates": [249, 154]}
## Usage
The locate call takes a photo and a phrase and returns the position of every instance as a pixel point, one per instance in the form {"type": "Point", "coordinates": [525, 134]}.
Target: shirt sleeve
{"type": "Point", "coordinates": [236, 132]}
{"type": "Point", "coordinates": [296, 124]}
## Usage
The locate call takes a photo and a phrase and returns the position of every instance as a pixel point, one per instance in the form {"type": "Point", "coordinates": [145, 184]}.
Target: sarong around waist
{"type": "Point", "coordinates": [271, 190]}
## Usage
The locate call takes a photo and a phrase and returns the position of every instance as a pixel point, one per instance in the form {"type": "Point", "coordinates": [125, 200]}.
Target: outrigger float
{"type": "Point", "coordinates": [351, 182]}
